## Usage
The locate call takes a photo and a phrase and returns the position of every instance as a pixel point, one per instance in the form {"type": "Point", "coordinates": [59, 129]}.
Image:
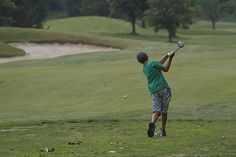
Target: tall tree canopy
{"type": "Point", "coordinates": [7, 7]}
{"type": "Point", "coordinates": [73, 7]}
{"type": "Point", "coordinates": [56, 5]}
{"type": "Point", "coordinates": [95, 7]}
{"type": "Point", "coordinates": [30, 13]}
{"type": "Point", "coordinates": [170, 15]}
{"type": "Point", "coordinates": [23, 13]}
{"type": "Point", "coordinates": [87, 7]}
{"type": "Point", "coordinates": [128, 9]}
{"type": "Point", "coordinates": [213, 10]}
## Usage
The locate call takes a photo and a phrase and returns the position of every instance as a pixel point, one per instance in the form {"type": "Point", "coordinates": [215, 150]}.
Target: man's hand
{"type": "Point", "coordinates": [166, 67]}
{"type": "Point", "coordinates": [172, 56]}
{"type": "Point", "coordinates": [171, 53]}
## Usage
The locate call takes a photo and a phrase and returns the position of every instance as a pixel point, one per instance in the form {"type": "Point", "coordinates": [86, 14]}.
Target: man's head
{"type": "Point", "coordinates": [142, 57]}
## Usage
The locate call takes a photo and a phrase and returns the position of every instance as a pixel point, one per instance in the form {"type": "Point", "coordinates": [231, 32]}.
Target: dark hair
{"type": "Point", "coordinates": [142, 57]}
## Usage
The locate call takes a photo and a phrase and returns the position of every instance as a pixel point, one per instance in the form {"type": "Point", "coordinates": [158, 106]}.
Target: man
{"type": "Point", "coordinates": [159, 89]}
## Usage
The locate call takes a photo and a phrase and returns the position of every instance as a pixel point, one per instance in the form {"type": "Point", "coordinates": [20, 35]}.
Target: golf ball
{"type": "Point", "coordinates": [125, 96]}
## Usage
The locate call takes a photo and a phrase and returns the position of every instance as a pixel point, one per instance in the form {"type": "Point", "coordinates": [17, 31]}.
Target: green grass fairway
{"type": "Point", "coordinates": [80, 97]}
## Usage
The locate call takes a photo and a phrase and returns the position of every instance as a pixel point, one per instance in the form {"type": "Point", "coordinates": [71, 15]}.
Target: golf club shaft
{"type": "Point", "coordinates": [176, 49]}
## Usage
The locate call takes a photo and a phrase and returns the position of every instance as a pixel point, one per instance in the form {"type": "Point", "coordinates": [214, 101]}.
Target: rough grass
{"type": "Point", "coordinates": [123, 138]}
{"type": "Point", "coordinates": [8, 51]}
{"type": "Point", "coordinates": [80, 97]}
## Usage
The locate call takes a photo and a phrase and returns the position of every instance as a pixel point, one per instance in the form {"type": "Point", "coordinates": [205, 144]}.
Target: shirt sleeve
{"type": "Point", "coordinates": [157, 65]}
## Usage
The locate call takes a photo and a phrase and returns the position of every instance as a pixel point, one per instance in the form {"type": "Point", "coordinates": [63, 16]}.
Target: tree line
{"type": "Point", "coordinates": [159, 14]}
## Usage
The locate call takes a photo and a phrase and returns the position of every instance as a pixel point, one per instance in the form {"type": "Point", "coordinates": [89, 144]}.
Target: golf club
{"type": "Point", "coordinates": [180, 45]}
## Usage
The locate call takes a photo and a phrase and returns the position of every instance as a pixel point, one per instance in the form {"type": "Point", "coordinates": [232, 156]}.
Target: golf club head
{"type": "Point", "coordinates": [180, 44]}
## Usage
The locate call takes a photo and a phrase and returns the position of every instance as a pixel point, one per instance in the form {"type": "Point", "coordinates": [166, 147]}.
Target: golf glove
{"type": "Point", "coordinates": [170, 53]}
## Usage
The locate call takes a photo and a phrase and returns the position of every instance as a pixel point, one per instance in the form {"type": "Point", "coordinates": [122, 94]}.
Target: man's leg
{"type": "Point", "coordinates": [165, 104]}
{"type": "Point", "coordinates": [162, 131]}
{"type": "Point", "coordinates": [166, 101]}
{"type": "Point", "coordinates": [152, 124]}
{"type": "Point", "coordinates": [155, 116]}
{"type": "Point", "coordinates": [156, 102]}
{"type": "Point", "coordinates": [164, 120]}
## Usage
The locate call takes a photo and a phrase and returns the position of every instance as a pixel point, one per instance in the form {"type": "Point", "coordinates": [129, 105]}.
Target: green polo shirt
{"type": "Point", "coordinates": [156, 81]}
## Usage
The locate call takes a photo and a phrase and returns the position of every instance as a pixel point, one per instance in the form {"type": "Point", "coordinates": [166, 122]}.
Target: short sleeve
{"type": "Point", "coordinates": [157, 65]}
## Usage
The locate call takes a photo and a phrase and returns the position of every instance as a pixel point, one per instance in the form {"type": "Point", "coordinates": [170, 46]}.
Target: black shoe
{"type": "Point", "coordinates": [163, 133]}
{"type": "Point", "coordinates": [151, 129]}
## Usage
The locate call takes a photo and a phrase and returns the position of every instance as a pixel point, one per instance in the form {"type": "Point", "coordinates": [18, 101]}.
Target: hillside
{"type": "Point", "coordinates": [93, 25]}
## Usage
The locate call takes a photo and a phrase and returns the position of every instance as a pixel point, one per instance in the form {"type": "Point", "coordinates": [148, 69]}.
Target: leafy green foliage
{"type": "Point", "coordinates": [56, 5]}
{"type": "Point", "coordinates": [7, 7]}
{"type": "Point", "coordinates": [95, 7]}
{"type": "Point", "coordinates": [229, 8]}
{"type": "Point", "coordinates": [23, 13]}
{"type": "Point", "coordinates": [87, 7]}
{"type": "Point", "coordinates": [170, 15]}
{"type": "Point", "coordinates": [128, 9]}
{"type": "Point", "coordinates": [213, 11]}
{"type": "Point", "coordinates": [30, 13]}
{"type": "Point", "coordinates": [73, 7]}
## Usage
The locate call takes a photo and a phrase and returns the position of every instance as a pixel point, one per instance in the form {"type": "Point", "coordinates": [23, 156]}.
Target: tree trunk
{"type": "Point", "coordinates": [170, 37]}
{"type": "Point", "coordinates": [171, 34]}
{"type": "Point", "coordinates": [213, 21]}
{"type": "Point", "coordinates": [143, 24]}
{"type": "Point", "coordinates": [133, 21]}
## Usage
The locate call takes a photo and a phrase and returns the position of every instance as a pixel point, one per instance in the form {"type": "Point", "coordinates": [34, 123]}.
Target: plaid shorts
{"type": "Point", "coordinates": [161, 100]}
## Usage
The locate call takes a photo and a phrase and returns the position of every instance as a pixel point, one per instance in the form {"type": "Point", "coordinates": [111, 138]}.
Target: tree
{"type": "Point", "coordinates": [128, 9]}
{"type": "Point", "coordinates": [213, 10]}
{"type": "Point", "coordinates": [56, 5]}
{"type": "Point", "coordinates": [7, 8]}
{"type": "Point", "coordinates": [30, 13]}
{"type": "Point", "coordinates": [170, 15]}
{"type": "Point", "coordinates": [73, 7]}
{"type": "Point", "coordinates": [87, 7]}
{"type": "Point", "coordinates": [229, 8]}
{"type": "Point", "coordinates": [95, 7]}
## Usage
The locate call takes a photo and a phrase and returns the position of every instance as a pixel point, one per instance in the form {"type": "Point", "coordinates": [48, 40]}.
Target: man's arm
{"type": "Point", "coordinates": [168, 64]}
{"type": "Point", "coordinates": [163, 60]}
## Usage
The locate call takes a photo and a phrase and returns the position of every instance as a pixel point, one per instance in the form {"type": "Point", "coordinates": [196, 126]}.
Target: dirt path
{"type": "Point", "coordinates": [52, 50]}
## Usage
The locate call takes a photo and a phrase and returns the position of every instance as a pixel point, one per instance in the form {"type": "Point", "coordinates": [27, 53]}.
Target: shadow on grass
{"type": "Point", "coordinates": [136, 36]}
{"type": "Point", "coordinates": [206, 32]}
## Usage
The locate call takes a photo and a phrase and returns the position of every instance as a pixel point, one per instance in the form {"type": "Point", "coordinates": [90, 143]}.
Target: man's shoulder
{"type": "Point", "coordinates": [153, 62]}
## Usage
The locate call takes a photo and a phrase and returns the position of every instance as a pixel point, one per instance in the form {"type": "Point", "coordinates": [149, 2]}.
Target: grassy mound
{"type": "Point", "coordinates": [93, 25]}
{"type": "Point", "coordinates": [8, 51]}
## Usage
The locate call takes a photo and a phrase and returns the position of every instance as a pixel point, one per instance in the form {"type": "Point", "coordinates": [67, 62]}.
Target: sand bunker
{"type": "Point", "coordinates": [52, 50]}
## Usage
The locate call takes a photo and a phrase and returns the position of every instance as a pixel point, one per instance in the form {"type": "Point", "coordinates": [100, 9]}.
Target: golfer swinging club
{"type": "Point", "coordinates": [159, 89]}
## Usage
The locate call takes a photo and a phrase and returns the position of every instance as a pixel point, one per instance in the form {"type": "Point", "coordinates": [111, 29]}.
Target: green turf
{"type": "Point", "coordinates": [50, 102]}
{"type": "Point", "coordinates": [9, 51]}
{"type": "Point", "coordinates": [100, 137]}
{"type": "Point", "coordinates": [93, 24]}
